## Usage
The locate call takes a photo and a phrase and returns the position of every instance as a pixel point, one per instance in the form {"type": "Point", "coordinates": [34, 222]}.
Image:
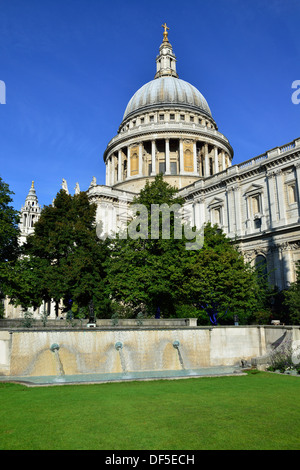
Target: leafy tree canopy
{"type": "Point", "coordinates": [9, 233]}
{"type": "Point", "coordinates": [9, 230]}
{"type": "Point", "coordinates": [292, 299]}
{"type": "Point", "coordinates": [209, 283]}
{"type": "Point", "coordinates": [63, 258]}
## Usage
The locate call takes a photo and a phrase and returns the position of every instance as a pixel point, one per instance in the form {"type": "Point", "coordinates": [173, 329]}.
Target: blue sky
{"type": "Point", "coordinates": [71, 66]}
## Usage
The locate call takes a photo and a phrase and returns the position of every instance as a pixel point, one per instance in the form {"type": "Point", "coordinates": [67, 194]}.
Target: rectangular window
{"type": "Point", "coordinates": [173, 168]}
{"type": "Point", "coordinates": [292, 193]}
{"type": "Point", "coordinates": [161, 117]}
{"type": "Point", "coordinates": [182, 117]}
{"type": "Point", "coordinates": [257, 223]}
{"type": "Point", "coordinates": [161, 167]}
{"type": "Point", "coordinates": [217, 215]}
{"type": "Point", "coordinates": [188, 160]}
{"type": "Point", "coordinates": [255, 204]}
{"type": "Point", "coordinates": [172, 117]}
{"type": "Point", "coordinates": [134, 161]}
{"type": "Point", "coordinates": [151, 118]}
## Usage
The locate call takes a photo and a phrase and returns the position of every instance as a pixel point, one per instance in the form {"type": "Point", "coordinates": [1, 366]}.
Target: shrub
{"type": "Point", "coordinates": [262, 317]}
{"type": "Point", "coordinates": [283, 357]}
{"type": "Point", "coordinates": [28, 319]}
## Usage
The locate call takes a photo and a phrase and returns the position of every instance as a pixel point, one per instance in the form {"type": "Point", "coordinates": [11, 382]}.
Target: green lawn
{"type": "Point", "coordinates": [257, 411]}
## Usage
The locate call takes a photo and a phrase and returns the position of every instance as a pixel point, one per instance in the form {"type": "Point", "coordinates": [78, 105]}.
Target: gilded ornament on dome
{"type": "Point", "coordinates": [165, 32]}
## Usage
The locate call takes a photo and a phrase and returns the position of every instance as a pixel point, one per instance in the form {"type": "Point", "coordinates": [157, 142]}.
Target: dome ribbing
{"type": "Point", "coordinates": [167, 91]}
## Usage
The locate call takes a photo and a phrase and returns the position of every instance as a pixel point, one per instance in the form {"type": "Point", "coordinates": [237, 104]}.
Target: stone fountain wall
{"type": "Point", "coordinates": [93, 350]}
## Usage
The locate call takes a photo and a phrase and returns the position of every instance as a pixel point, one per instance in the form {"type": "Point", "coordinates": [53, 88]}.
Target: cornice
{"type": "Point", "coordinates": [236, 175]}
{"type": "Point", "coordinates": [166, 106]}
{"type": "Point", "coordinates": [271, 233]}
{"type": "Point", "coordinates": [152, 134]}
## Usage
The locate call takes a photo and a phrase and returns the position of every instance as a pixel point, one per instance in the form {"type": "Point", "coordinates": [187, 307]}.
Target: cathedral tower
{"type": "Point", "coordinates": [30, 213]}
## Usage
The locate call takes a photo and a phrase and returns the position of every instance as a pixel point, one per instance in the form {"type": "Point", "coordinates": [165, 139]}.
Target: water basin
{"type": "Point", "coordinates": [121, 377]}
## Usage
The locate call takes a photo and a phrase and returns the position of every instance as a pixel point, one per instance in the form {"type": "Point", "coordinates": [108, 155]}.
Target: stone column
{"type": "Point", "coordinates": [201, 211]}
{"type": "Point", "coordinates": [280, 196]}
{"type": "Point", "coordinates": [206, 160]}
{"type": "Point", "coordinates": [231, 210]}
{"type": "Point", "coordinates": [227, 226]}
{"type": "Point", "coordinates": [153, 150]}
{"type": "Point", "coordinates": [288, 268]}
{"type": "Point", "coordinates": [237, 203]}
{"type": "Point", "coordinates": [223, 160]}
{"type": "Point", "coordinates": [216, 160]}
{"type": "Point", "coordinates": [199, 214]}
{"type": "Point", "coordinates": [140, 159]}
{"type": "Point", "coordinates": [280, 282]}
{"type": "Point", "coordinates": [271, 197]}
{"type": "Point", "coordinates": [119, 165]}
{"type": "Point", "coordinates": [167, 156]}
{"type": "Point", "coordinates": [195, 157]}
{"type": "Point", "coordinates": [298, 186]}
{"type": "Point", "coordinates": [128, 162]}
{"type": "Point", "coordinates": [108, 172]}
{"type": "Point", "coordinates": [181, 167]}
{"type": "Point", "coordinates": [112, 171]}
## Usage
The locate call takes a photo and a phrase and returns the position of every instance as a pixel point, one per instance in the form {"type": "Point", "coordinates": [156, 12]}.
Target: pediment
{"type": "Point", "coordinates": [216, 202]}
{"type": "Point", "coordinates": [254, 188]}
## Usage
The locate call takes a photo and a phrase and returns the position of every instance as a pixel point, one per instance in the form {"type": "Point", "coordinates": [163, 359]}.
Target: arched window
{"type": "Point", "coordinates": [261, 265]}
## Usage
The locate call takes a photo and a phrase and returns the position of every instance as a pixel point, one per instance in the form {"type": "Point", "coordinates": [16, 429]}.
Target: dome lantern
{"type": "Point", "coordinates": [166, 60]}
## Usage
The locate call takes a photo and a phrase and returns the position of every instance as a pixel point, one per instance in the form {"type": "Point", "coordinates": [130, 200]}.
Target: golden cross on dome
{"type": "Point", "coordinates": [165, 32]}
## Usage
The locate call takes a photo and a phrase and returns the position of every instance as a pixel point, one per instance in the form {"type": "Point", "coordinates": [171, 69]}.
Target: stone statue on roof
{"type": "Point", "coordinates": [65, 186]}
{"type": "Point", "coordinates": [77, 188]}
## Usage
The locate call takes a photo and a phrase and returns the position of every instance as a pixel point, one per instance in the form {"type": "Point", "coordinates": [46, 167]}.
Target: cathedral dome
{"type": "Point", "coordinates": [167, 91]}
{"type": "Point", "coordinates": [168, 129]}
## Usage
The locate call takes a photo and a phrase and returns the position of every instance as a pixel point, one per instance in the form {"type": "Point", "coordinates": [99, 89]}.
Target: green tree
{"type": "Point", "coordinates": [292, 299]}
{"type": "Point", "coordinates": [25, 279]}
{"type": "Point", "coordinates": [63, 259]}
{"type": "Point", "coordinates": [142, 271]}
{"type": "Point", "coordinates": [9, 220]}
{"type": "Point", "coordinates": [9, 233]}
{"type": "Point", "coordinates": [210, 282]}
{"type": "Point", "coordinates": [219, 282]}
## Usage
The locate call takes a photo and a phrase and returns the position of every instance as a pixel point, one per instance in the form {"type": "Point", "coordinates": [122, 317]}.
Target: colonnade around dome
{"type": "Point", "coordinates": [172, 155]}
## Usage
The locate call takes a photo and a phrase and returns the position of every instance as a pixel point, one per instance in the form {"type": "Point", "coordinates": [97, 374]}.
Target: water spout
{"type": "Point", "coordinates": [55, 348]}
{"type": "Point", "coordinates": [119, 347]}
{"type": "Point", "coordinates": [176, 345]}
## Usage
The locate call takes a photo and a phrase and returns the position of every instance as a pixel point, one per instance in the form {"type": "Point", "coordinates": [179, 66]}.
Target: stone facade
{"type": "Point", "coordinates": [168, 128]}
{"type": "Point", "coordinates": [256, 203]}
